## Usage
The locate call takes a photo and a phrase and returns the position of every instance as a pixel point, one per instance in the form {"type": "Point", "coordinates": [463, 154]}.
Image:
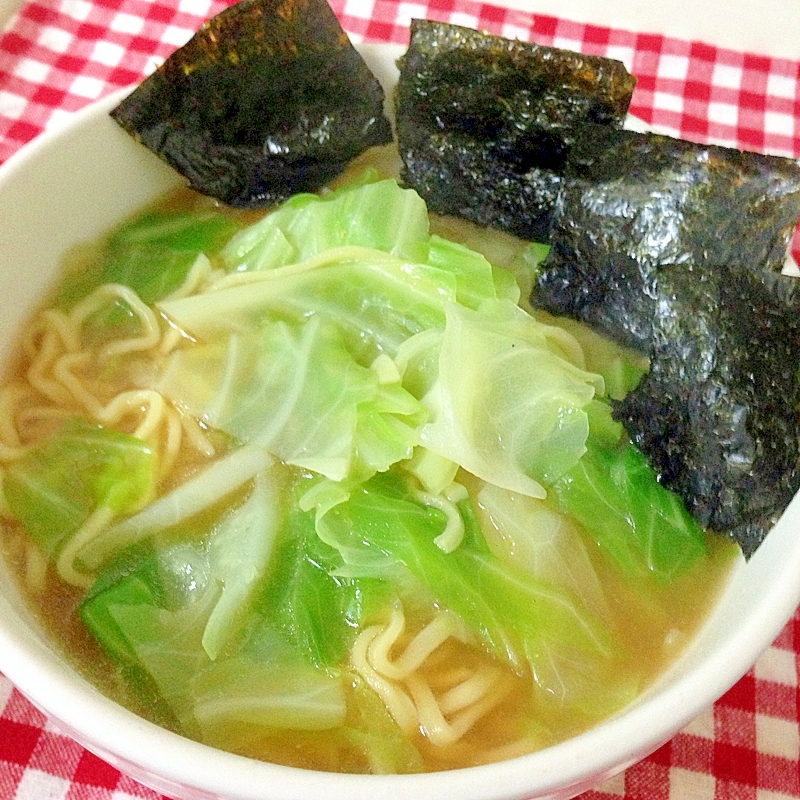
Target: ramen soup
{"type": "Point", "coordinates": [312, 487]}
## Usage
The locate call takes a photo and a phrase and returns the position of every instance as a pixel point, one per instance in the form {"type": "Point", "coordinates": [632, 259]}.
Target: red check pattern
{"type": "Point", "coordinates": [58, 55]}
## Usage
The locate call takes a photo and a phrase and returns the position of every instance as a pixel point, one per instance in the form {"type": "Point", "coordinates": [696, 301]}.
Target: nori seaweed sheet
{"type": "Point", "coordinates": [484, 122]}
{"type": "Point", "coordinates": [676, 249]}
{"type": "Point", "coordinates": [269, 98]}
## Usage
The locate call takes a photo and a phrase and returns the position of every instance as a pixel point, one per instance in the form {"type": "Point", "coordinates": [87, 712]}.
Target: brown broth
{"type": "Point", "coordinates": [652, 624]}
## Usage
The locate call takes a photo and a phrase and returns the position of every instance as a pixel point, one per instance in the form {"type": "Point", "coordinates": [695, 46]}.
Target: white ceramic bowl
{"type": "Point", "coordinates": [72, 185]}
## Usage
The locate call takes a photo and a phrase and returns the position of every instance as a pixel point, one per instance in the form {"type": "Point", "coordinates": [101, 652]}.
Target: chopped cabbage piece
{"type": "Point", "coordinates": [508, 407]}
{"type": "Point", "coordinates": [55, 487]}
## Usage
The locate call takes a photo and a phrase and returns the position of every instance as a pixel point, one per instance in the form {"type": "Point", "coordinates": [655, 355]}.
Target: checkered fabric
{"type": "Point", "coordinates": [58, 55]}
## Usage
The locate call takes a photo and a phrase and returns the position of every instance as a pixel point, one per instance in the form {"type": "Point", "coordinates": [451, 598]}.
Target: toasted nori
{"type": "Point", "coordinates": [718, 413]}
{"type": "Point", "coordinates": [484, 122]}
{"type": "Point", "coordinates": [269, 98]}
{"type": "Point", "coordinates": [676, 248]}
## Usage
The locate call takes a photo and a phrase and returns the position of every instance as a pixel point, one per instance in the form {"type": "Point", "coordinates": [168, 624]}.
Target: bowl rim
{"type": "Point", "coordinates": [145, 749]}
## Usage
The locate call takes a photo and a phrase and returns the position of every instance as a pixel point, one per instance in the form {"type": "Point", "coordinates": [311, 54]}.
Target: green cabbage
{"type": "Point", "coordinates": [508, 407]}
{"type": "Point", "coordinates": [377, 215]}
{"type": "Point", "coordinates": [181, 612]}
{"type": "Point", "coordinates": [55, 487]}
{"type": "Point", "coordinates": [296, 391]}
{"type": "Point", "coordinates": [529, 624]}
{"type": "Point", "coordinates": [363, 372]}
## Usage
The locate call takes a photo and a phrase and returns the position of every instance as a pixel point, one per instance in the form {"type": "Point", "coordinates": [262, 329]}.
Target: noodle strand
{"type": "Point", "coordinates": [405, 692]}
{"type": "Point", "coordinates": [91, 528]}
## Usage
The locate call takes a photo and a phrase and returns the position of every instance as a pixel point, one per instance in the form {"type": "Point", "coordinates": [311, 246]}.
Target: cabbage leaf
{"type": "Point", "coordinates": [296, 391]}
{"type": "Point", "coordinates": [376, 299]}
{"type": "Point", "coordinates": [507, 406]}
{"type": "Point", "coordinates": [640, 524]}
{"type": "Point", "coordinates": [378, 215]}
{"type": "Point", "coordinates": [56, 486]}
{"type": "Point", "coordinates": [181, 612]}
{"type": "Point", "coordinates": [509, 610]}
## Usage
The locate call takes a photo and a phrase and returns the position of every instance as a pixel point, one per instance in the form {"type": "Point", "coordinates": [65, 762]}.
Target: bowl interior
{"type": "Point", "coordinates": [72, 185]}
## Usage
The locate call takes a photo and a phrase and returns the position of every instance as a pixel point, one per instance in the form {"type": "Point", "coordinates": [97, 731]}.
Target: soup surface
{"type": "Point", "coordinates": [312, 487]}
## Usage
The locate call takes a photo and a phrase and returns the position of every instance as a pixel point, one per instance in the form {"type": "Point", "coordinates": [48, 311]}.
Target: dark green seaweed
{"type": "Point", "coordinates": [676, 248]}
{"type": "Point", "coordinates": [717, 415]}
{"type": "Point", "coordinates": [484, 123]}
{"type": "Point", "coordinates": [269, 98]}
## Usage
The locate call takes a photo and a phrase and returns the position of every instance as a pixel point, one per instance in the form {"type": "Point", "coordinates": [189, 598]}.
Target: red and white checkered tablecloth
{"type": "Point", "coordinates": [58, 55]}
